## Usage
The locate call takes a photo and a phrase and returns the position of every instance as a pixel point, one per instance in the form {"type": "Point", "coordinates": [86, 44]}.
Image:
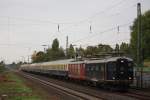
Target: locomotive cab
{"type": "Point", "coordinates": [120, 72]}
{"type": "Point", "coordinates": [124, 70]}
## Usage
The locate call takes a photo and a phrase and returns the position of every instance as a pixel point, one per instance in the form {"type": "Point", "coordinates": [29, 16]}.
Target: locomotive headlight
{"type": "Point", "coordinates": [113, 78]}
{"type": "Point", "coordinates": [130, 78]}
{"type": "Point", "coordinates": [122, 61]}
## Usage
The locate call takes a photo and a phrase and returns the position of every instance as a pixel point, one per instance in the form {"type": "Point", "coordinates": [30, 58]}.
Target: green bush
{"type": "Point", "coordinates": [2, 68]}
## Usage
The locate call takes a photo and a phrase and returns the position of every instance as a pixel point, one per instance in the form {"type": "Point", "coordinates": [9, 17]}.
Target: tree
{"type": "Point", "coordinates": [124, 47]}
{"type": "Point", "coordinates": [145, 25]}
{"type": "Point", "coordinates": [104, 48]}
{"type": "Point", "coordinates": [91, 51]}
{"type": "Point", "coordinates": [33, 57]}
{"type": "Point", "coordinates": [38, 57]}
{"type": "Point", "coordinates": [55, 52]}
{"type": "Point", "coordinates": [55, 45]}
{"type": "Point", "coordinates": [96, 50]}
{"type": "Point", "coordinates": [117, 48]}
{"type": "Point", "coordinates": [81, 52]}
{"type": "Point", "coordinates": [61, 53]}
{"type": "Point", "coordinates": [71, 52]}
{"type": "Point", "coordinates": [2, 66]}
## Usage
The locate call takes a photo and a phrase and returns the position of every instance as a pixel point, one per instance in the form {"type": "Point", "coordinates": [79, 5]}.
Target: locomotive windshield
{"type": "Point", "coordinates": [122, 68]}
{"type": "Point", "coordinates": [130, 66]}
{"type": "Point", "coordinates": [112, 66]}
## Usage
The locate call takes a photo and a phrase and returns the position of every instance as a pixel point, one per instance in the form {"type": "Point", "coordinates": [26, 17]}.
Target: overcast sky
{"type": "Point", "coordinates": [26, 25]}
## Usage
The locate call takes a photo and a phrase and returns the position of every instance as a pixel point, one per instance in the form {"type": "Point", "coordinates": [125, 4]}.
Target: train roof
{"type": "Point", "coordinates": [110, 59]}
{"type": "Point", "coordinates": [72, 61]}
{"type": "Point", "coordinates": [66, 61]}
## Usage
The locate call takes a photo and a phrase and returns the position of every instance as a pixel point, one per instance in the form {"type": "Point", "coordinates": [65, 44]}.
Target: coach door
{"type": "Point", "coordinates": [111, 71]}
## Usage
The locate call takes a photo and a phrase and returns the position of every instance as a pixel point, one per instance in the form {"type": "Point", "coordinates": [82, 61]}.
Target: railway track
{"type": "Point", "coordinates": [73, 93]}
{"type": "Point", "coordinates": [86, 94]}
{"type": "Point", "coordinates": [138, 94]}
{"type": "Point", "coordinates": [90, 91]}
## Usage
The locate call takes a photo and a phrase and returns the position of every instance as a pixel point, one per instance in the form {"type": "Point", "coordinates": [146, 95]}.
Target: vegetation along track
{"type": "Point", "coordinates": [76, 94]}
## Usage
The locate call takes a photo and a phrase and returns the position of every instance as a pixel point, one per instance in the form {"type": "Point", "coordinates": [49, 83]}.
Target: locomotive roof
{"type": "Point", "coordinates": [108, 60]}
{"type": "Point", "coordinates": [116, 58]}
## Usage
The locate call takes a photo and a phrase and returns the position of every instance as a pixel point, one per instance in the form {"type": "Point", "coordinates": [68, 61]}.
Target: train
{"type": "Point", "coordinates": [112, 72]}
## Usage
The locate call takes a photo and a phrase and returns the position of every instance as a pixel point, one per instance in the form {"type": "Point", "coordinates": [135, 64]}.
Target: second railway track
{"type": "Point", "coordinates": [76, 94]}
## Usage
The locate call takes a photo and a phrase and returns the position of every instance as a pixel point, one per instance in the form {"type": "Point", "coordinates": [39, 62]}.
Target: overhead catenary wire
{"type": "Point", "coordinates": [99, 33]}
{"type": "Point", "coordinates": [90, 20]}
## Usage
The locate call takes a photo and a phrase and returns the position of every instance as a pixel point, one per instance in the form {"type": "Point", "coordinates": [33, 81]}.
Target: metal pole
{"type": "Point", "coordinates": [66, 46]}
{"type": "Point", "coordinates": [75, 52]}
{"type": "Point", "coordinates": [139, 43]}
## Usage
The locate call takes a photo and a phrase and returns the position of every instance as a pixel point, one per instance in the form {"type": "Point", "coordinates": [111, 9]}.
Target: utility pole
{"type": "Point", "coordinates": [66, 45]}
{"type": "Point", "coordinates": [75, 56]}
{"type": "Point", "coordinates": [139, 44]}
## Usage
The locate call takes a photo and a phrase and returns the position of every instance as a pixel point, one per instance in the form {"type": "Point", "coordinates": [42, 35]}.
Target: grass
{"type": "Point", "coordinates": [15, 88]}
{"type": "Point", "coordinates": [147, 63]}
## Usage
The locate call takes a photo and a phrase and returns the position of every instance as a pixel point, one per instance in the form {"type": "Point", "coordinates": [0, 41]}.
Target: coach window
{"type": "Point", "coordinates": [76, 68]}
{"type": "Point", "coordinates": [130, 69]}
{"type": "Point", "coordinates": [87, 68]}
{"type": "Point", "coordinates": [79, 70]}
{"type": "Point", "coordinates": [92, 68]}
{"type": "Point", "coordinates": [97, 68]}
{"type": "Point", "coordinates": [60, 66]}
{"type": "Point", "coordinates": [102, 67]}
{"type": "Point", "coordinates": [63, 67]}
{"type": "Point", "coordinates": [72, 67]}
{"type": "Point", "coordinates": [111, 66]}
{"type": "Point", "coordinates": [129, 64]}
{"type": "Point", "coordinates": [51, 67]}
{"type": "Point", "coordinates": [114, 67]}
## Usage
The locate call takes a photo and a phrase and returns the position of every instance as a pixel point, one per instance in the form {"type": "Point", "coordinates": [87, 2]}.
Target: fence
{"type": "Point", "coordinates": [145, 80]}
